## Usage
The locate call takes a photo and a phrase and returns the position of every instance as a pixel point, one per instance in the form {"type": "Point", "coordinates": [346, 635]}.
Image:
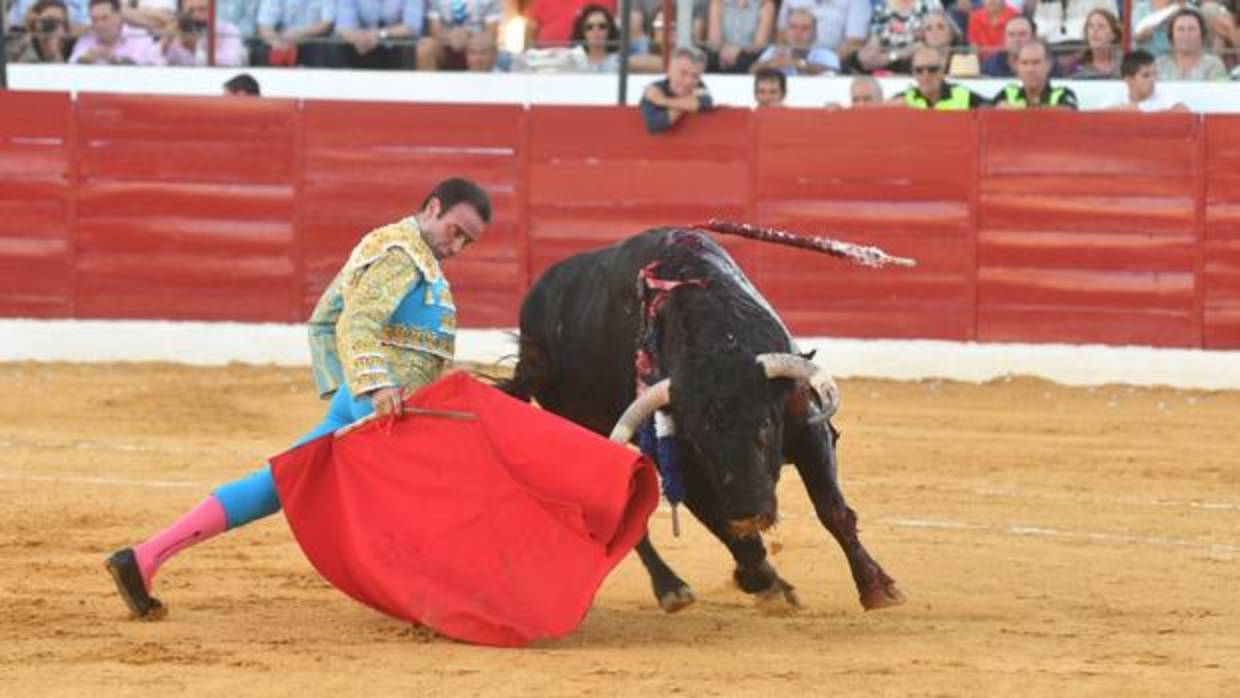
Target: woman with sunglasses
{"type": "Point", "coordinates": [595, 31]}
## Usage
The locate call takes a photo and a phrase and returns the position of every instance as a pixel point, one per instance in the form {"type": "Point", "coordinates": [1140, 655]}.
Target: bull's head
{"type": "Point", "coordinates": [730, 424]}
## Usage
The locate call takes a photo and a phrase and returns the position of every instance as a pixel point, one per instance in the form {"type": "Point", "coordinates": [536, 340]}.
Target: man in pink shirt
{"type": "Point", "coordinates": [110, 42]}
{"type": "Point", "coordinates": [185, 41]}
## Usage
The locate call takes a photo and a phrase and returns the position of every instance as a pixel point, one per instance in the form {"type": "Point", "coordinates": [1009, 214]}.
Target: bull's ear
{"type": "Point", "coordinates": [809, 355]}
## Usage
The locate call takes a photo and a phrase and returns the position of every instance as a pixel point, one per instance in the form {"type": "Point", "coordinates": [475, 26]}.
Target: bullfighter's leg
{"type": "Point", "coordinates": [671, 591]}
{"type": "Point", "coordinates": [811, 447]}
{"type": "Point", "coordinates": [754, 573]}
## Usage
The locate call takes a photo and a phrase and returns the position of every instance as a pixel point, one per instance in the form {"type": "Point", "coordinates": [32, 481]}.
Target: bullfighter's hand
{"type": "Point", "coordinates": [387, 402]}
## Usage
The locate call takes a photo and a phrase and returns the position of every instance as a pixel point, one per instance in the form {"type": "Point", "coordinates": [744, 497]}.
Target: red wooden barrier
{"type": "Point", "coordinates": [1115, 228]}
{"type": "Point", "coordinates": [186, 208]}
{"type": "Point", "coordinates": [596, 176]}
{"type": "Point", "coordinates": [1088, 228]}
{"type": "Point", "coordinates": [1221, 252]}
{"type": "Point", "coordinates": [867, 177]}
{"type": "Point", "coordinates": [36, 248]}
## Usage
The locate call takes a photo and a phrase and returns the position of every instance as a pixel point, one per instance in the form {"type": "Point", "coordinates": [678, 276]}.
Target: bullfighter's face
{"type": "Point", "coordinates": [448, 232]}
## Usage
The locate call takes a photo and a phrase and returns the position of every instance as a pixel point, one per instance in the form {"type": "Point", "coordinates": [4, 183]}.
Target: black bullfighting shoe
{"type": "Point", "coordinates": [123, 566]}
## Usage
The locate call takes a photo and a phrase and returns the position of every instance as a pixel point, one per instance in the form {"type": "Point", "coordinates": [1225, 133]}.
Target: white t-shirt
{"type": "Point", "coordinates": [1157, 101]}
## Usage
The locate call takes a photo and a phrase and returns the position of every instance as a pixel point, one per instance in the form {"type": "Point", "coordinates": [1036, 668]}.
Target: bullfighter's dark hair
{"type": "Point", "coordinates": [458, 190]}
{"type": "Point", "coordinates": [116, 5]}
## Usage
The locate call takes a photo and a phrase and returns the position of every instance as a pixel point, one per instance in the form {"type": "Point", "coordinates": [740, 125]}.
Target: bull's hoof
{"type": "Point", "coordinates": [881, 596]}
{"type": "Point", "coordinates": [781, 598]}
{"type": "Point", "coordinates": [677, 599]}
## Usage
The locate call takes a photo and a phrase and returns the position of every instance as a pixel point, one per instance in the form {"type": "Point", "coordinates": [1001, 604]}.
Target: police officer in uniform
{"type": "Point", "coordinates": [1033, 67]}
{"type": "Point", "coordinates": [932, 90]}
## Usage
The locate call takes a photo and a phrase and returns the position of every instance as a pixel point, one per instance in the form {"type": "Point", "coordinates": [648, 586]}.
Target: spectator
{"type": "Point", "coordinates": [1101, 58]}
{"type": "Point", "coordinates": [185, 42]}
{"type": "Point", "coordinates": [1223, 36]}
{"type": "Point", "coordinates": [841, 25]}
{"type": "Point", "coordinates": [1018, 32]}
{"type": "Point", "coordinates": [770, 88]}
{"type": "Point", "coordinates": [940, 31]}
{"type": "Point", "coordinates": [110, 42]}
{"type": "Point", "coordinates": [549, 23]}
{"type": "Point", "coordinates": [377, 32]}
{"type": "Point", "coordinates": [798, 55]}
{"type": "Point", "coordinates": [1141, 93]}
{"type": "Point", "coordinates": [987, 31]}
{"type": "Point", "coordinates": [47, 38]}
{"type": "Point", "coordinates": [19, 13]}
{"type": "Point", "coordinates": [242, 14]}
{"type": "Point", "coordinates": [450, 24]}
{"type": "Point", "coordinates": [1033, 66]}
{"type": "Point", "coordinates": [646, 24]}
{"type": "Point", "coordinates": [737, 33]}
{"type": "Point", "coordinates": [1063, 21]}
{"type": "Point", "coordinates": [1189, 60]}
{"type": "Point", "coordinates": [483, 56]}
{"type": "Point", "coordinates": [865, 92]}
{"type": "Point", "coordinates": [155, 16]}
{"type": "Point", "coordinates": [895, 31]}
{"type": "Point", "coordinates": [668, 101]}
{"type": "Point", "coordinates": [598, 37]}
{"type": "Point", "coordinates": [242, 85]}
{"type": "Point", "coordinates": [932, 91]}
{"type": "Point", "coordinates": [295, 32]}
{"type": "Point", "coordinates": [1148, 22]}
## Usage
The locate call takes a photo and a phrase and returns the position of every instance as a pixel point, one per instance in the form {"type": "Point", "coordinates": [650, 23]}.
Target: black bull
{"type": "Point", "coordinates": [735, 426]}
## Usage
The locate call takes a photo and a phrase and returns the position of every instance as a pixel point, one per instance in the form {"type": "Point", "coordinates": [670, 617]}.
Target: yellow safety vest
{"type": "Point", "coordinates": [958, 98]}
{"type": "Point", "coordinates": [1012, 95]}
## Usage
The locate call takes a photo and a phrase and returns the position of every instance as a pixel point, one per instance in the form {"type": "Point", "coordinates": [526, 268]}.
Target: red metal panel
{"type": "Point", "coordinates": [1088, 228]}
{"type": "Point", "coordinates": [35, 239]}
{"type": "Point", "coordinates": [1221, 245]}
{"type": "Point", "coordinates": [910, 196]}
{"type": "Point", "coordinates": [368, 164]}
{"type": "Point", "coordinates": [185, 208]}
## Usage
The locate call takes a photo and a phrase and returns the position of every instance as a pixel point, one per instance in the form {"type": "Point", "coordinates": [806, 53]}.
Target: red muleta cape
{"type": "Point", "coordinates": [497, 530]}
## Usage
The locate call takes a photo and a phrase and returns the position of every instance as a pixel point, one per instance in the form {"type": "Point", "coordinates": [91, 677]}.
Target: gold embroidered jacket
{"type": "Point", "coordinates": [387, 319]}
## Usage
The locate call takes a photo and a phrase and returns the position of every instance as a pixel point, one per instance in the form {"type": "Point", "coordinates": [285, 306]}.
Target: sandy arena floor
{"type": "Point", "coordinates": [1051, 541]}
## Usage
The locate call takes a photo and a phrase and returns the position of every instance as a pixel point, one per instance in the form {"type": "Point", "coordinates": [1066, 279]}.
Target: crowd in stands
{"type": "Point", "coordinates": [1083, 39]}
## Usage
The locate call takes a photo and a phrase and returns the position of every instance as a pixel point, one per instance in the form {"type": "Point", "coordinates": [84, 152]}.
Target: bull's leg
{"type": "Point", "coordinates": [754, 573]}
{"type": "Point", "coordinates": [671, 591]}
{"type": "Point", "coordinates": [812, 449]}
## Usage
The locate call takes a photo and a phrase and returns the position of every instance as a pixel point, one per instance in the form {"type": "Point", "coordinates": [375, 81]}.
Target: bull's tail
{"type": "Point", "coordinates": [531, 372]}
{"type": "Point", "coordinates": [866, 255]}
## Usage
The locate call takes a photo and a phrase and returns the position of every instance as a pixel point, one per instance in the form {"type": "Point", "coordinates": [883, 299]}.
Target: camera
{"type": "Point", "coordinates": [47, 25]}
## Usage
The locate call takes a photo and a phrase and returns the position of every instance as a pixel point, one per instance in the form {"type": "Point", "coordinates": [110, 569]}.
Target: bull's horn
{"type": "Point", "coordinates": [656, 396]}
{"type": "Point", "coordinates": [802, 369]}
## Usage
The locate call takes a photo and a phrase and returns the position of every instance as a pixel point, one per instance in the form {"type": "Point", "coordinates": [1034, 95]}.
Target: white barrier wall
{"type": "Point", "coordinates": [205, 343]}
{"type": "Point", "coordinates": [522, 88]}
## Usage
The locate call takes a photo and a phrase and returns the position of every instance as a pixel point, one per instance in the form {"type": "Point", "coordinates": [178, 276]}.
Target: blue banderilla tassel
{"type": "Point", "coordinates": [657, 440]}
